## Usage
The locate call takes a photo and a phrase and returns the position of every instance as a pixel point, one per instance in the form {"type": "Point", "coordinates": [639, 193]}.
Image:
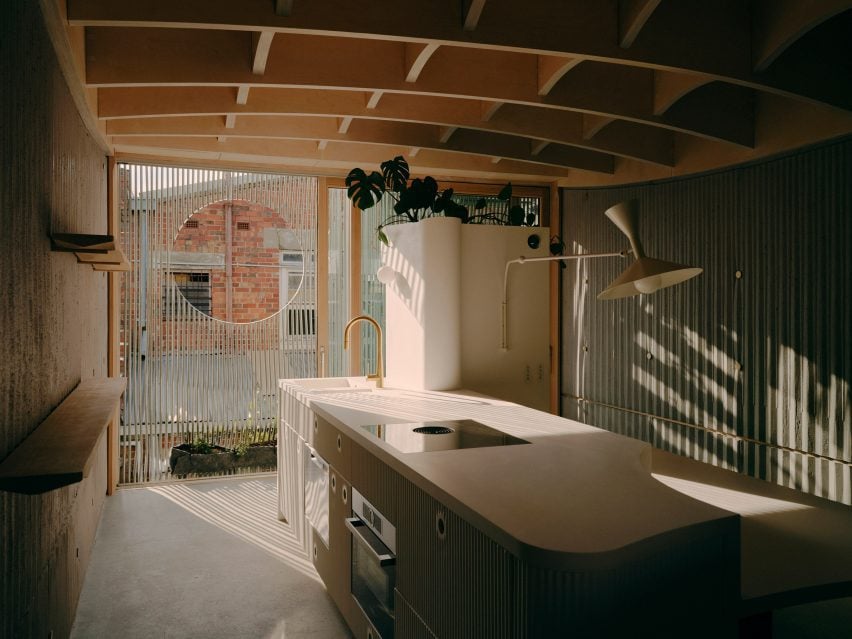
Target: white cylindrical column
{"type": "Point", "coordinates": [423, 304]}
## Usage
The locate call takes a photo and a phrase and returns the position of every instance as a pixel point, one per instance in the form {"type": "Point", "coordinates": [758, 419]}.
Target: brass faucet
{"type": "Point", "coordinates": [379, 376]}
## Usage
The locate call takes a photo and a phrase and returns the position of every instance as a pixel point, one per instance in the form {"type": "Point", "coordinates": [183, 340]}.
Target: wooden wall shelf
{"type": "Point", "coordinates": [82, 243]}
{"type": "Point", "coordinates": [61, 450]}
{"type": "Point", "coordinates": [98, 250]}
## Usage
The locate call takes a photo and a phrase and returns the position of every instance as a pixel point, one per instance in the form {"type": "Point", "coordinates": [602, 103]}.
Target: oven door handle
{"type": "Point", "coordinates": [363, 534]}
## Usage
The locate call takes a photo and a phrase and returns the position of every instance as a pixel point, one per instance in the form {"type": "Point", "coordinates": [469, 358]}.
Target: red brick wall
{"type": "Point", "coordinates": [255, 289]}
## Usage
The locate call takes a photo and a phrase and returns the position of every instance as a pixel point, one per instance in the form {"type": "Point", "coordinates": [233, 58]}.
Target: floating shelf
{"type": "Point", "coordinates": [82, 243]}
{"type": "Point", "coordinates": [61, 450]}
{"type": "Point", "coordinates": [98, 250]}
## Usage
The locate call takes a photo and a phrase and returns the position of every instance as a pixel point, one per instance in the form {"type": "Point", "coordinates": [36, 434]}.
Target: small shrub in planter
{"type": "Point", "coordinates": [202, 457]}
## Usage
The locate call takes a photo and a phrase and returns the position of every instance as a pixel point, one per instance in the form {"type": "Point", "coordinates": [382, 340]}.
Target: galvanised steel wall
{"type": "Point", "coordinates": [748, 366]}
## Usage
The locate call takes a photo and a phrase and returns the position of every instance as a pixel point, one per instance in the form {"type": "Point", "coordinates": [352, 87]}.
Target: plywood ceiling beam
{"type": "Point", "coordinates": [343, 126]}
{"type": "Point", "coordinates": [718, 105]}
{"type": "Point", "coordinates": [682, 36]}
{"type": "Point", "coordinates": [261, 43]}
{"type": "Point", "coordinates": [551, 69]}
{"type": "Point", "coordinates": [592, 124]}
{"type": "Point", "coordinates": [373, 100]}
{"type": "Point", "coordinates": [670, 87]}
{"type": "Point", "coordinates": [648, 144]}
{"type": "Point", "coordinates": [416, 57]}
{"type": "Point", "coordinates": [511, 25]}
{"type": "Point", "coordinates": [445, 133]}
{"type": "Point", "coordinates": [472, 13]}
{"type": "Point", "coordinates": [779, 23]}
{"type": "Point", "coordinates": [537, 146]}
{"type": "Point", "coordinates": [489, 108]}
{"type": "Point", "coordinates": [210, 58]}
{"type": "Point", "coordinates": [389, 133]}
{"type": "Point", "coordinates": [338, 157]}
{"type": "Point", "coordinates": [632, 16]}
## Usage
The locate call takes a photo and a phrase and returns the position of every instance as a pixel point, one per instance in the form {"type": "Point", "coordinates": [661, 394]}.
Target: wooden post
{"type": "Point", "coordinates": [355, 290]}
{"type": "Point", "coordinates": [322, 278]}
{"type": "Point", "coordinates": [113, 327]}
{"type": "Point", "coordinates": [555, 303]}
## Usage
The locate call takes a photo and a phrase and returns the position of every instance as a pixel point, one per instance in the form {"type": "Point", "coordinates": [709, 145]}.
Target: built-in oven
{"type": "Point", "coordinates": [373, 564]}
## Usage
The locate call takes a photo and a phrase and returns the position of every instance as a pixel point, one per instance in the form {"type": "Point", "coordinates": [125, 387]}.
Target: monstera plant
{"type": "Point", "coordinates": [418, 199]}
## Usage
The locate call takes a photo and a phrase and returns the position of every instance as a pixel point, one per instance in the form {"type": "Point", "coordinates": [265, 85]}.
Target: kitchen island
{"type": "Point", "coordinates": [567, 534]}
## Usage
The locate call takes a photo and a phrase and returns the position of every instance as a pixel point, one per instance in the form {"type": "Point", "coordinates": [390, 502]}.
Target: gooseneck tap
{"type": "Point", "coordinates": [379, 375]}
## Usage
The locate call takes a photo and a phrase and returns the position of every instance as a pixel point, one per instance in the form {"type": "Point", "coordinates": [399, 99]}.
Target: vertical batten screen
{"type": "Point", "coordinates": [206, 331]}
{"type": "Point", "coordinates": [749, 366]}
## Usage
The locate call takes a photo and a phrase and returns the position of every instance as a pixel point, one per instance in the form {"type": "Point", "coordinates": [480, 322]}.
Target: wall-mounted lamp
{"type": "Point", "coordinates": [645, 275]}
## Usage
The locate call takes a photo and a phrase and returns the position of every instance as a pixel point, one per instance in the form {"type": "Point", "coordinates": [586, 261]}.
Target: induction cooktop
{"type": "Point", "coordinates": [423, 437]}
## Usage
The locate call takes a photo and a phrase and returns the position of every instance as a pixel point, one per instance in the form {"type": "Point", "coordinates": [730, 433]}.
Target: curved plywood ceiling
{"type": "Point", "coordinates": [575, 92]}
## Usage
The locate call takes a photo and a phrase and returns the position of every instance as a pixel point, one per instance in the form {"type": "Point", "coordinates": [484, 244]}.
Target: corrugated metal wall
{"type": "Point", "coordinates": [748, 366]}
{"type": "Point", "coordinates": [52, 319]}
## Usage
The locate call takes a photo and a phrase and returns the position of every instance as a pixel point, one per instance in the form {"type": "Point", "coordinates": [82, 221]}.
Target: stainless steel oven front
{"type": "Point", "coordinates": [373, 564]}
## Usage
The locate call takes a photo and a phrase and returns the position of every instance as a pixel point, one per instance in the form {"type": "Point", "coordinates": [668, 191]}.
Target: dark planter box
{"type": "Point", "coordinates": [221, 461]}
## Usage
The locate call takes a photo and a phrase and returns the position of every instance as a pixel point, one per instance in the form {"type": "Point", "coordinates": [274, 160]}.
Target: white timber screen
{"type": "Point", "coordinates": [220, 302]}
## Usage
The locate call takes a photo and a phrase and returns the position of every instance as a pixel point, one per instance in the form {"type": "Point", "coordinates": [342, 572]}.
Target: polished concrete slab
{"type": "Point", "coordinates": [201, 559]}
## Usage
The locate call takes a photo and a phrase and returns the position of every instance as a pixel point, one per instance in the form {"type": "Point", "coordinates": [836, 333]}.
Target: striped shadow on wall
{"type": "Point", "coordinates": [748, 366]}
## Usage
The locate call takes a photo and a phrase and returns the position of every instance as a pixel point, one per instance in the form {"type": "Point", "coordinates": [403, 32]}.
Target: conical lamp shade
{"type": "Point", "coordinates": [647, 275]}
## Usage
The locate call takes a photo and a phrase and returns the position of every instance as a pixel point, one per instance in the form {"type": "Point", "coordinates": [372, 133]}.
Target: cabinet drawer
{"type": "Point", "coordinates": [333, 446]}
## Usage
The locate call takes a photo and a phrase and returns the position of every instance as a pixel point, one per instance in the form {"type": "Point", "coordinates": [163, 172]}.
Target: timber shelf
{"type": "Point", "coordinates": [61, 450]}
{"type": "Point", "coordinates": [98, 250]}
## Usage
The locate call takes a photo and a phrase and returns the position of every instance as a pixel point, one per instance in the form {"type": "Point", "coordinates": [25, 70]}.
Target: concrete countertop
{"type": "Point", "coordinates": [575, 497]}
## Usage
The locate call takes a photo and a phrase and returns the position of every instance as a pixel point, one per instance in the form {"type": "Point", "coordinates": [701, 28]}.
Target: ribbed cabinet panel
{"type": "Point", "coordinates": [464, 585]}
{"type": "Point", "coordinates": [755, 352]}
{"type": "Point", "coordinates": [407, 623]}
{"type": "Point", "coordinates": [376, 481]}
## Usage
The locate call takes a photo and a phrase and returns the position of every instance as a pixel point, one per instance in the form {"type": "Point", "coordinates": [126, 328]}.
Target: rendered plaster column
{"type": "Point", "coordinates": [423, 304]}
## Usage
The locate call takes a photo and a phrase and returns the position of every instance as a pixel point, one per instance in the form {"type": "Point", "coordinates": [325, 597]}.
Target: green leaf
{"type": "Point", "coordinates": [395, 173]}
{"type": "Point", "coordinates": [364, 190]}
{"type": "Point", "coordinates": [516, 216]}
{"type": "Point", "coordinates": [557, 246]}
{"type": "Point", "coordinates": [452, 209]}
{"type": "Point", "coordinates": [382, 237]}
{"type": "Point", "coordinates": [480, 204]}
{"type": "Point", "coordinates": [505, 193]}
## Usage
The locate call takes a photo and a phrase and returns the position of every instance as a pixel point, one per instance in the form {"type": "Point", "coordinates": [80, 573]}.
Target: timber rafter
{"type": "Point", "coordinates": [625, 89]}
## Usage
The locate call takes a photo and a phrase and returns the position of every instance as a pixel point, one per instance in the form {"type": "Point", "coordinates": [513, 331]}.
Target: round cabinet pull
{"type": "Point", "coordinates": [345, 494]}
{"type": "Point", "coordinates": [339, 444]}
{"type": "Point", "coordinates": [333, 483]}
{"type": "Point", "coordinates": [441, 525]}
{"type": "Point", "coordinates": [316, 425]}
{"type": "Point", "coordinates": [315, 551]}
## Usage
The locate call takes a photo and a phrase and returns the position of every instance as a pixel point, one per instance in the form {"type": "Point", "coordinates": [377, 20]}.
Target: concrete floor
{"type": "Point", "coordinates": [201, 559]}
{"type": "Point", "coordinates": [209, 559]}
